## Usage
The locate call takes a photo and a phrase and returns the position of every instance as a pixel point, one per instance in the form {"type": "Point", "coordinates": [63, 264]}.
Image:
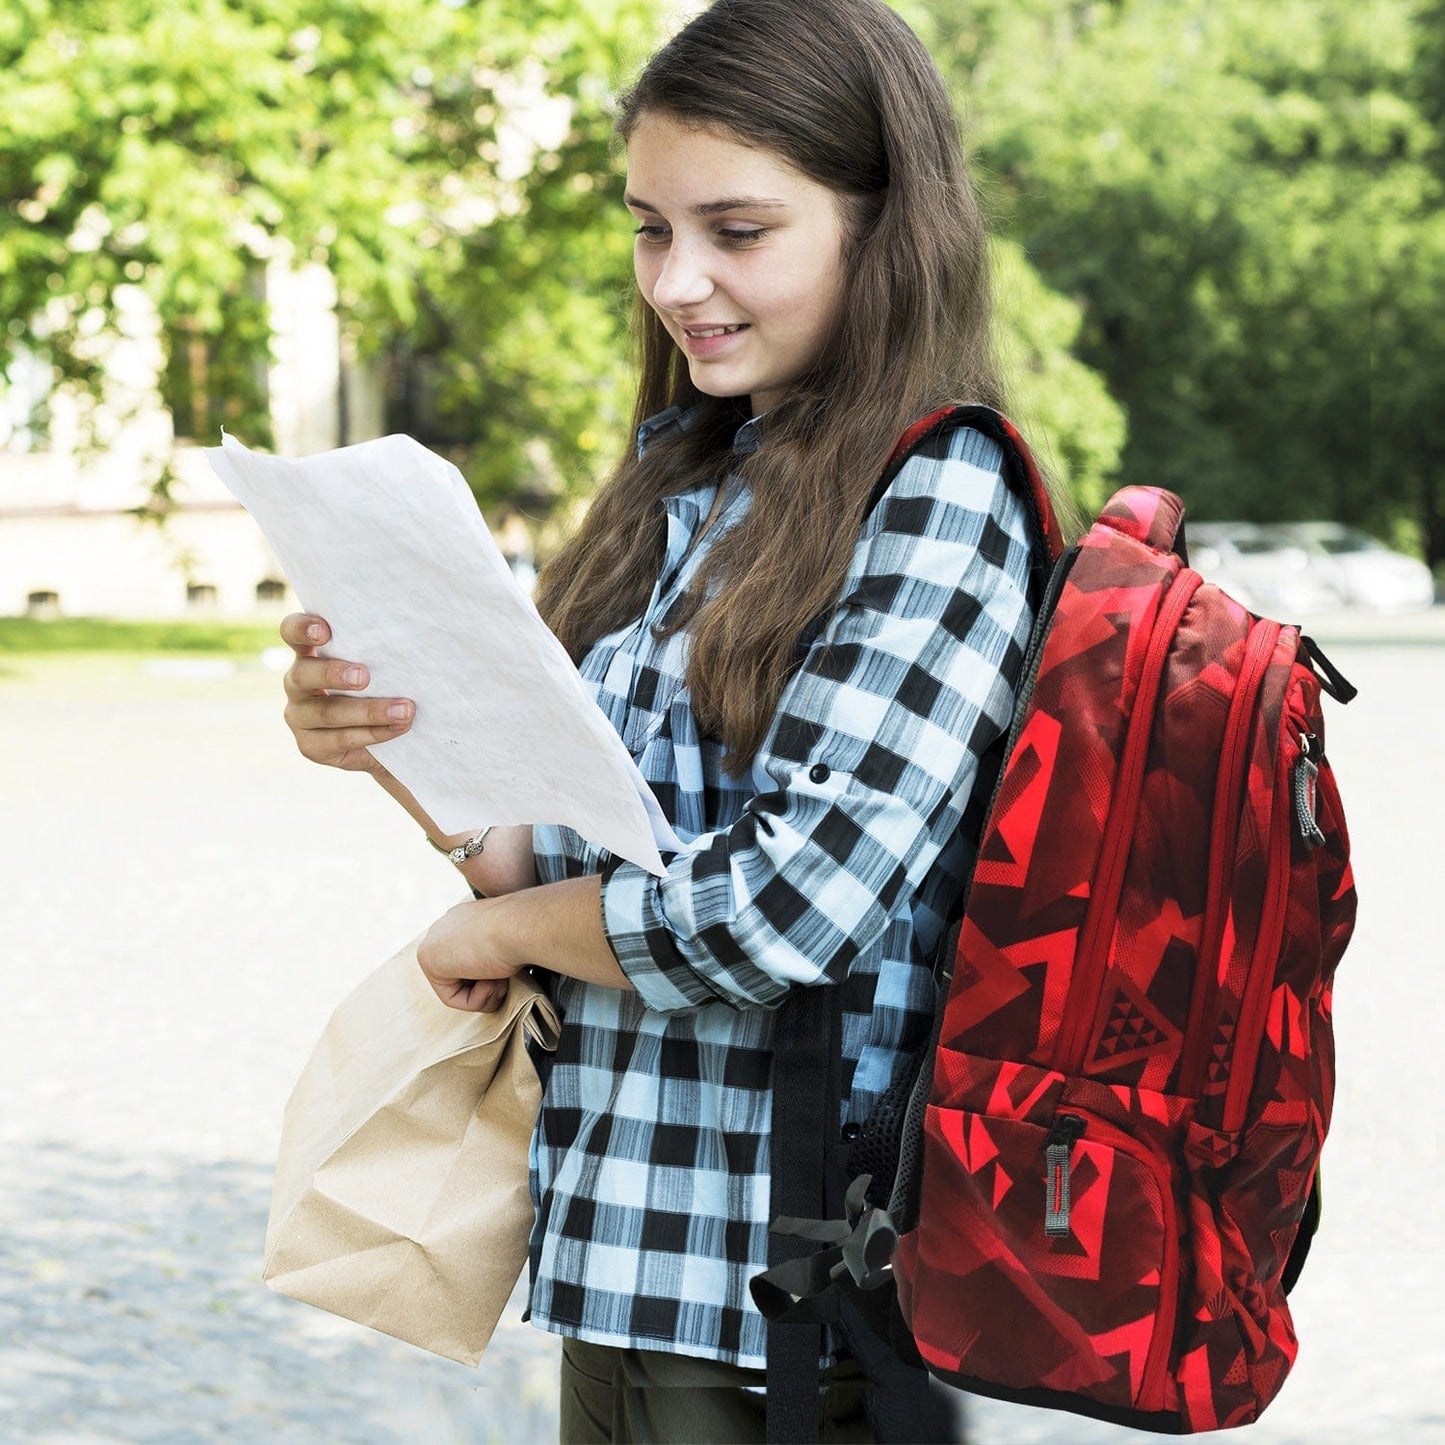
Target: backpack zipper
{"type": "Point", "coordinates": [1067, 1129]}
{"type": "Point", "coordinates": [1224, 836]}
{"type": "Point", "coordinates": [1092, 953]}
{"type": "Point", "coordinates": [1258, 988]}
{"type": "Point", "coordinates": [1305, 778]}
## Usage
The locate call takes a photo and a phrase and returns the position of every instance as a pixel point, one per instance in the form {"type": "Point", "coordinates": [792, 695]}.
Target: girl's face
{"type": "Point", "coordinates": [738, 253]}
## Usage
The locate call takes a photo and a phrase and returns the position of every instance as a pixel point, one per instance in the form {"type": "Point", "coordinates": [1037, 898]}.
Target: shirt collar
{"type": "Point", "coordinates": [749, 437]}
{"type": "Point", "coordinates": [746, 441]}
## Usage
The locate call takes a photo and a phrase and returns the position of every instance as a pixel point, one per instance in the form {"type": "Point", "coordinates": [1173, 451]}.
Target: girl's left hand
{"type": "Point", "coordinates": [462, 959]}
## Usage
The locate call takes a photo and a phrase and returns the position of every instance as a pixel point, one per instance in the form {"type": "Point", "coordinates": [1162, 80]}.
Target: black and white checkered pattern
{"type": "Point", "coordinates": [832, 863]}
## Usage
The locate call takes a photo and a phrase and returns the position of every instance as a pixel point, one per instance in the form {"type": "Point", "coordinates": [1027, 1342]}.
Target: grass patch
{"type": "Point", "coordinates": [97, 634]}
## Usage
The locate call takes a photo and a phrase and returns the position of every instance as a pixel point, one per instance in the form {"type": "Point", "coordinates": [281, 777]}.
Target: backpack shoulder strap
{"type": "Point", "coordinates": [807, 1103]}
{"type": "Point", "coordinates": [1020, 471]}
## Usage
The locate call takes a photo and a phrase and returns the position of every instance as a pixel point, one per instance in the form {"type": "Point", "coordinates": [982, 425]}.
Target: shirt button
{"type": "Point", "coordinates": [820, 772]}
{"type": "Point", "coordinates": [851, 1131]}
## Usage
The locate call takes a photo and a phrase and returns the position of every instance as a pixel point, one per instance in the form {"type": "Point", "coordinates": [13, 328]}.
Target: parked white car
{"type": "Point", "coordinates": [1265, 570]}
{"type": "Point", "coordinates": [1376, 576]}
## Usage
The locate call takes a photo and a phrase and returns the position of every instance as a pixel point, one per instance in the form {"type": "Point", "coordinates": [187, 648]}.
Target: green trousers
{"type": "Point", "coordinates": [650, 1397]}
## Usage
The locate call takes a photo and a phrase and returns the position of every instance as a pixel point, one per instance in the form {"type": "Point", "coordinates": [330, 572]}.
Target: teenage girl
{"type": "Point", "coordinates": [811, 278]}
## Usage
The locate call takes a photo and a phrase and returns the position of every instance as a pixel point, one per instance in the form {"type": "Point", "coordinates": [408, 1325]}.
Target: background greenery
{"type": "Point", "coordinates": [1220, 253]}
{"type": "Point", "coordinates": [93, 634]}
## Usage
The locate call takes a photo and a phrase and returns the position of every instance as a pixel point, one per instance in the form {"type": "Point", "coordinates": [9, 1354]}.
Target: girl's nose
{"type": "Point", "coordinates": [683, 280]}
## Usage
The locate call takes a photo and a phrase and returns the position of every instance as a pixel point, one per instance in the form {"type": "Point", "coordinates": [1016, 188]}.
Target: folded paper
{"type": "Point", "coordinates": [385, 541]}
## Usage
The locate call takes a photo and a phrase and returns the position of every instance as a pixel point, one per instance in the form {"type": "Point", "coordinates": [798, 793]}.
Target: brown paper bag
{"type": "Point", "coordinates": [401, 1196]}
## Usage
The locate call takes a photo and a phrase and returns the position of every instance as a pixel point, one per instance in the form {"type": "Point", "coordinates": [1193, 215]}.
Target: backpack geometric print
{"type": "Point", "coordinates": [1113, 1142]}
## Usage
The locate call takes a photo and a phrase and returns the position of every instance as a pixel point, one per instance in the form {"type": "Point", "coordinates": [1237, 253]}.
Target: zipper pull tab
{"type": "Point", "coordinates": [1057, 1148]}
{"type": "Point", "coordinates": [1305, 773]}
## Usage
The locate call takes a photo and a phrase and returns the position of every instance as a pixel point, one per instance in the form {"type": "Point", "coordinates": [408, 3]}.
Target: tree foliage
{"type": "Point", "coordinates": [1223, 218]}
{"type": "Point", "coordinates": [1240, 198]}
{"type": "Point", "coordinates": [1407, 225]}
{"type": "Point", "coordinates": [1063, 405]}
{"type": "Point", "coordinates": [449, 162]}
{"type": "Point", "coordinates": [446, 160]}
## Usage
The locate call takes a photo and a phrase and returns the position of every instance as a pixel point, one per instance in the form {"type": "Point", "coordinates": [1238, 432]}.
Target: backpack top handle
{"type": "Point", "coordinates": [1149, 515]}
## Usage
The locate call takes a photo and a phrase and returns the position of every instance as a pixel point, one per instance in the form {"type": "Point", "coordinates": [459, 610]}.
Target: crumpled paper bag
{"type": "Point", "coordinates": [401, 1196]}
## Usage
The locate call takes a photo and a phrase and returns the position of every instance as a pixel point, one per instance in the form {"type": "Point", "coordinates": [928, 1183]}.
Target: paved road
{"type": "Point", "coordinates": [183, 902]}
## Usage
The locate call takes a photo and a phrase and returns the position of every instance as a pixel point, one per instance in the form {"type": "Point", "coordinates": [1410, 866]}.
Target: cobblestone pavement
{"type": "Point", "coordinates": [184, 901]}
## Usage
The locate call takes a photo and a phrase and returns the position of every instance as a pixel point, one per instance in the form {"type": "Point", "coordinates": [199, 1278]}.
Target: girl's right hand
{"type": "Point", "coordinates": [329, 727]}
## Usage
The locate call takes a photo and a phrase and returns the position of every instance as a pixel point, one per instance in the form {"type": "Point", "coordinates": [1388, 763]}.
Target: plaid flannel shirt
{"type": "Point", "coordinates": [832, 862]}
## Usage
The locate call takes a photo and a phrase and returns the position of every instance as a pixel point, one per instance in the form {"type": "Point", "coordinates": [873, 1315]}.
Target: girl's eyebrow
{"type": "Point", "coordinates": [713, 208]}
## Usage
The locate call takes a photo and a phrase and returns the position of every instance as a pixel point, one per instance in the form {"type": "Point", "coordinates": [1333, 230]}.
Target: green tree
{"type": "Point", "coordinates": [1229, 190]}
{"type": "Point", "coordinates": [447, 161]}
{"type": "Point", "coordinates": [1061, 401]}
{"type": "Point", "coordinates": [1407, 227]}
{"type": "Point", "coordinates": [1062, 404]}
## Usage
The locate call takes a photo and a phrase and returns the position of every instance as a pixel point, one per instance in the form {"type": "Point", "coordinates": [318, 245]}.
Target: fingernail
{"type": "Point", "coordinates": [316, 632]}
{"type": "Point", "coordinates": [399, 710]}
{"type": "Point", "coordinates": [352, 677]}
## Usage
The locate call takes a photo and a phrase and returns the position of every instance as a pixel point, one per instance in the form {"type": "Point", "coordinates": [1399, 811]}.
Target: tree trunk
{"type": "Point", "coordinates": [1432, 514]}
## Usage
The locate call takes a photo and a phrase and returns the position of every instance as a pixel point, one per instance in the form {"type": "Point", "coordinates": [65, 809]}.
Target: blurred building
{"type": "Point", "coordinates": [78, 532]}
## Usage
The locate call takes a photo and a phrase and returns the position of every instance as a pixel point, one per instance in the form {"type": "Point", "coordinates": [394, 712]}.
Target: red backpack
{"type": "Point", "coordinates": [1112, 1146]}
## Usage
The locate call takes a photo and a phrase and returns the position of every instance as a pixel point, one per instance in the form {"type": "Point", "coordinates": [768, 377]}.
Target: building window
{"type": "Point", "coordinates": [43, 605]}
{"type": "Point", "coordinates": [270, 589]}
{"type": "Point", "coordinates": [25, 385]}
{"type": "Point", "coordinates": [200, 597]}
{"type": "Point", "coordinates": [216, 378]}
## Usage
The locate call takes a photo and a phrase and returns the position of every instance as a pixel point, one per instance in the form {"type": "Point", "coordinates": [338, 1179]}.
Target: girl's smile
{"type": "Point", "coordinates": [705, 341]}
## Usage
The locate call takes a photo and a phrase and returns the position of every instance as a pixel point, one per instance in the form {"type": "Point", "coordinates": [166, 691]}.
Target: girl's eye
{"type": "Point", "coordinates": [731, 236]}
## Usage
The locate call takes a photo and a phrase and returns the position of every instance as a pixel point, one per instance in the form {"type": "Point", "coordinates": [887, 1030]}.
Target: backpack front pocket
{"type": "Point", "coordinates": [1047, 1259]}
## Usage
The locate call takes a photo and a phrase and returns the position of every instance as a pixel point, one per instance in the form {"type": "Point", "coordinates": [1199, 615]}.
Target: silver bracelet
{"type": "Point", "coordinates": [462, 851]}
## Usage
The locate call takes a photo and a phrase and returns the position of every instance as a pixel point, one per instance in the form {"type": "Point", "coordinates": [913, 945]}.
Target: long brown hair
{"type": "Point", "coordinates": [846, 93]}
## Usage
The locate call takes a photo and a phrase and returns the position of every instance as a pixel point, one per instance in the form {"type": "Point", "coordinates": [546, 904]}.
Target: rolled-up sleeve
{"type": "Point", "coordinates": [869, 764]}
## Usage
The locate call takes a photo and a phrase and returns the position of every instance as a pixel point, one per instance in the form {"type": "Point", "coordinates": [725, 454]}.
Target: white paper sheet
{"type": "Point", "coordinates": [384, 541]}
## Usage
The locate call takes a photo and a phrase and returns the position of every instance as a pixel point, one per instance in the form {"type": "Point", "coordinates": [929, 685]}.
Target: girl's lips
{"type": "Point", "coordinates": [704, 341]}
